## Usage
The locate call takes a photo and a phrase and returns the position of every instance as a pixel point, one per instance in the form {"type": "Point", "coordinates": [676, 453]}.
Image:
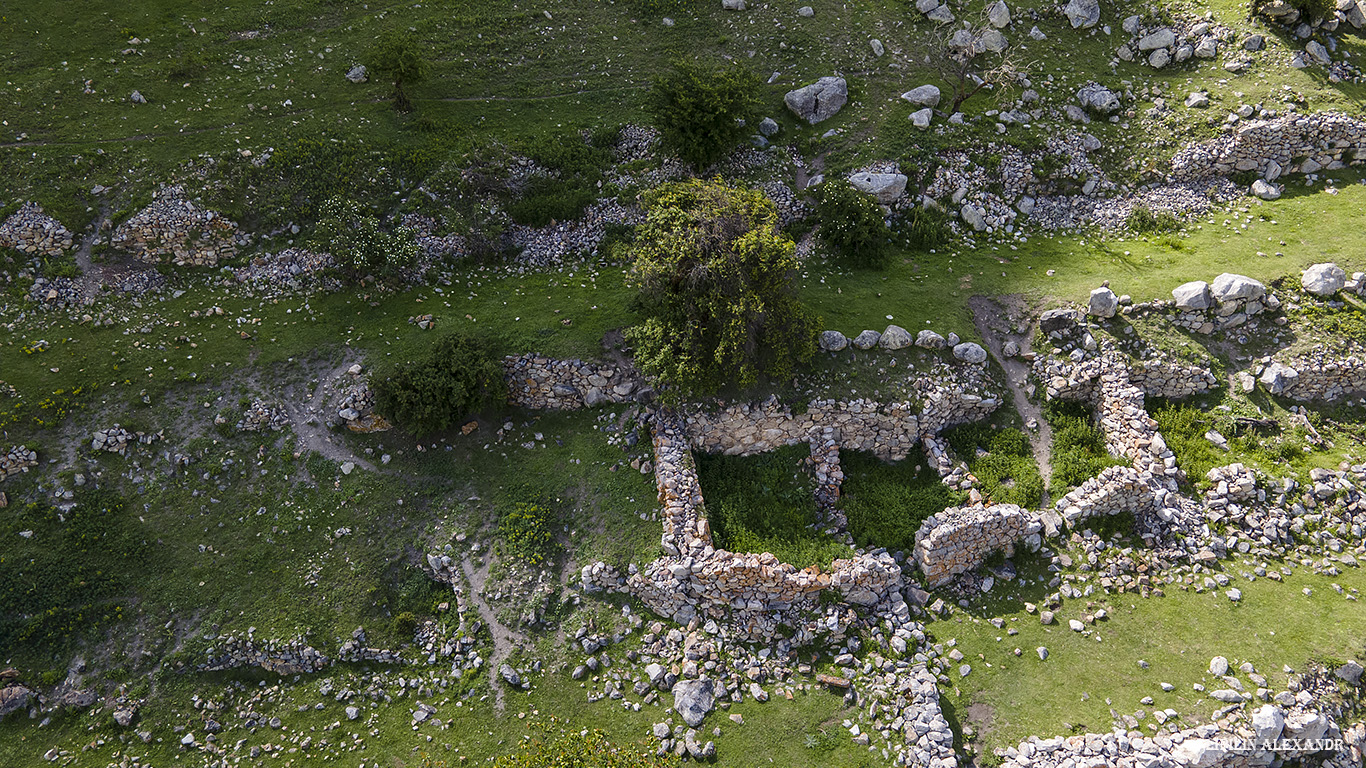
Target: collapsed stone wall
{"type": "Point", "coordinates": [1290, 144]}
{"type": "Point", "coordinates": [829, 475]}
{"type": "Point", "coordinates": [961, 538]}
{"type": "Point", "coordinates": [543, 383]}
{"type": "Point", "coordinates": [1318, 376]}
{"type": "Point", "coordinates": [283, 657]}
{"type": "Point", "coordinates": [17, 459]}
{"type": "Point", "coordinates": [889, 431]}
{"type": "Point", "coordinates": [174, 226]}
{"type": "Point", "coordinates": [30, 231]}
{"type": "Point", "coordinates": [1114, 490]}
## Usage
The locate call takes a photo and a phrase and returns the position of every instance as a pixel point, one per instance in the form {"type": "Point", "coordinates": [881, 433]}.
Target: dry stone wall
{"type": "Point", "coordinates": [30, 231]}
{"type": "Point", "coordinates": [1114, 490]}
{"type": "Point", "coordinates": [175, 227]}
{"type": "Point", "coordinates": [543, 383]}
{"type": "Point", "coordinates": [1318, 376]}
{"type": "Point", "coordinates": [888, 431]}
{"type": "Point", "coordinates": [283, 657]}
{"type": "Point", "coordinates": [1291, 144]}
{"type": "Point", "coordinates": [960, 538]}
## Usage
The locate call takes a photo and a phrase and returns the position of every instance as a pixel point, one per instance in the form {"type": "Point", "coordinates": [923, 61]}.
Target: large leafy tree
{"type": "Point", "coordinates": [397, 57]}
{"type": "Point", "coordinates": [701, 110]}
{"type": "Point", "coordinates": [717, 289]}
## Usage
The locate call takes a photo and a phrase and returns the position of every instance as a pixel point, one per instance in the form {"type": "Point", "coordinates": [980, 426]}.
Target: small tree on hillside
{"type": "Point", "coordinates": [397, 56]}
{"type": "Point", "coordinates": [851, 224]}
{"type": "Point", "coordinates": [430, 392]}
{"type": "Point", "coordinates": [701, 110]}
{"type": "Point", "coordinates": [359, 248]}
{"type": "Point", "coordinates": [964, 60]}
{"type": "Point", "coordinates": [717, 284]}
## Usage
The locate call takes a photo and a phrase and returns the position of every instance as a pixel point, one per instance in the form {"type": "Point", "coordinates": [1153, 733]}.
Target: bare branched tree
{"type": "Point", "coordinates": [972, 57]}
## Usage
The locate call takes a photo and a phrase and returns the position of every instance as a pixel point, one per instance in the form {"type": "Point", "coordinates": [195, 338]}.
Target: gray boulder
{"type": "Point", "coordinates": [923, 96]}
{"type": "Point", "coordinates": [833, 341]}
{"type": "Point", "coordinates": [866, 340]}
{"type": "Point", "coordinates": [1159, 58]}
{"type": "Point", "coordinates": [1097, 98]}
{"type": "Point", "coordinates": [1265, 190]}
{"type": "Point", "coordinates": [992, 40]}
{"type": "Point", "coordinates": [138, 98]}
{"type": "Point", "coordinates": [1268, 722]}
{"type": "Point", "coordinates": [819, 100]}
{"type": "Point", "coordinates": [13, 698]}
{"type": "Point", "coordinates": [510, 676]}
{"type": "Point", "coordinates": [998, 14]}
{"type": "Point", "coordinates": [921, 118]}
{"type": "Point", "coordinates": [1277, 378]}
{"type": "Point", "coordinates": [1162, 38]}
{"type": "Point", "coordinates": [1324, 279]}
{"type": "Point", "coordinates": [1306, 725]}
{"type": "Point", "coordinates": [895, 337]}
{"type": "Point", "coordinates": [768, 127]}
{"type": "Point", "coordinates": [1104, 303]}
{"type": "Point", "coordinates": [1193, 295]}
{"type": "Point", "coordinates": [806, 11]}
{"type": "Point", "coordinates": [928, 339]}
{"type": "Point", "coordinates": [733, 5]}
{"type": "Point", "coordinates": [1320, 54]}
{"type": "Point", "coordinates": [1082, 13]}
{"type": "Point", "coordinates": [1199, 753]}
{"type": "Point", "coordinates": [969, 352]}
{"type": "Point", "coordinates": [357, 74]}
{"type": "Point", "coordinates": [1055, 320]}
{"type": "Point", "coordinates": [693, 699]}
{"type": "Point", "coordinates": [1231, 287]}
{"type": "Point", "coordinates": [972, 216]}
{"type": "Point", "coordinates": [886, 187]}
{"type": "Point", "coordinates": [1197, 100]}
{"type": "Point", "coordinates": [1350, 672]}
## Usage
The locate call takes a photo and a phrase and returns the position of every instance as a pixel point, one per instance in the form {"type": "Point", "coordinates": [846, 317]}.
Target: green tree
{"type": "Point", "coordinates": [701, 110]}
{"type": "Point", "coordinates": [359, 248]}
{"type": "Point", "coordinates": [397, 56]}
{"type": "Point", "coordinates": [717, 289]}
{"type": "Point", "coordinates": [851, 224]}
{"type": "Point", "coordinates": [428, 393]}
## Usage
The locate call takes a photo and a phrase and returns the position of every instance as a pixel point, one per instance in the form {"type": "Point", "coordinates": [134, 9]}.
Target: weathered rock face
{"type": "Point", "coordinates": [1327, 140]}
{"type": "Point", "coordinates": [1324, 279]}
{"type": "Point", "coordinates": [818, 101]}
{"type": "Point", "coordinates": [176, 227]}
{"type": "Point", "coordinates": [33, 232]}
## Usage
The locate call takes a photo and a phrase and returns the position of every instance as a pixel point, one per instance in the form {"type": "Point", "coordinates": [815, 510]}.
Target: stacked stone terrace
{"type": "Point", "coordinates": [1291, 144]}
{"type": "Point", "coordinates": [30, 231]}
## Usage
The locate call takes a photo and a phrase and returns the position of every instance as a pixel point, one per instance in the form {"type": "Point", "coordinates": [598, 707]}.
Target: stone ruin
{"type": "Point", "coordinates": [1272, 148]}
{"type": "Point", "coordinates": [175, 227]}
{"type": "Point", "coordinates": [18, 459]}
{"type": "Point", "coordinates": [34, 233]}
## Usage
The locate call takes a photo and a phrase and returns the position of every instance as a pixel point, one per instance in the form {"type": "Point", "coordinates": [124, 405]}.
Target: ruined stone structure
{"type": "Point", "coordinates": [1290, 144]}
{"type": "Point", "coordinates": [543, 383]}
{"type": "Point", "coordinates": [34, 233]}
{"type": "Point", "coordinates": [17, 459]}
{"type": "Point", "coordinates": [960, 538]}
{"type": "Point", "coordinates": [175, 227]}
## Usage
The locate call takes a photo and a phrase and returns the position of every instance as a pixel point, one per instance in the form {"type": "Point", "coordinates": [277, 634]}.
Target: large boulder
{"type": "Point", "coordinates": [833, 341]}
{"type": "Point", "coordinates": [928, 339]}
{"type": "Point", "coordinates": [1231, 287]}
{"type": "Point", "coordinates": [1193, 295]}
{"type": "Point", "coordinates": [886, 187]}
{"type": "Point", "coordinates": [969, 352]}
{"type": "Point", "coordinates": [1324, 279]}
{"type": "Point", "coordinates": [973, 217]}
{"type": "Point", "coordinates": [895, 337]}
{"type": "Point", "coordinates": [992, 40]}
{"type": "Point", "coordinates": [693, 699]}
{"type": "Point", "coordinates": [866, 340]}
{"type": "Point", "coordinates": [1055, 320]}
{"type": "Point", "coordinates": [1162, 38]}
{"type": "Point", "coordinates": [1268, 722]}
{"type": "Point", "coordinates": [1278, 377]}
{"type": "Point", "coordinates": [1199, 753]}
{"type": "Point", "coordinates": [14, 697]}
{"type": "Point", "coordinates": [998, 14]}
{"type": "Point", "coordinates": [1097, 98]}
{"type": "Point", "coordinates": [1265, 190]}
{"type": "Point", "coordinates": [818, 101]}
{"type": "Point", "coordinates": [923, 96]}
{"type": "Point", "coordinates": [1306, 725]}
{"type": "Point", "coordinates": [1083, 13]}
{"type": "Point", "coordinates": [1104, 303]}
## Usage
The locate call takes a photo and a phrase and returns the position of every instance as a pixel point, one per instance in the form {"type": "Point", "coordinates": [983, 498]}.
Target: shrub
{"type": "Point", "coordinates": [359, 248]}
{"type": "Point", "coordinates": [558, 747]}
{"type": "Point", "coordinates": [885, 504]}
{"type": "Point", "coordinates": [428, 393]}
{"type": "Point", "coordinates": [405, 624]}
{"type": "Point", "coordinates": [398, 57]}
{"type": "Point", "coordinates": [529, 532]}
{"type": "Point", "coordinates": [549, 200]}
{"type": "Point", "coordinates": [1008, 471]}
{"type": "Point", "coordinates": [1078, 447]}
{"type": "Point", "coordinates": [701, 110]}
{"type": "Point", "coordinates": [851, 224]}
{"type": "Point", "coordinates": [1144, 221]}
{"type": "Point", "coordinates": [717, 289]}
{"type": "Point", "coordinates": [924, 227]}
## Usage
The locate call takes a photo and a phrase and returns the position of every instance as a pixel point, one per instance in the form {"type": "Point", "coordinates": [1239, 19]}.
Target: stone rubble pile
{"type": "Point", "coordinates": [175, 226]}
{"type": "Point", "coordinates": [293, 270]}
{"type": "Point", "coordinates": [1272, 148]}
{"type": "Point", "coordinates": [283, 657]}
{"type": "Point", "coordinates": [30, 231]}
{"type": "Point", "coordinates": [824, 465]}
{"type": "Point", "coordinates": [1159, 46]}
{"type": "Point", "coordinates": [18, 459]}
{"type": "Point", "coordinates": [261, 416]}
{"type": "Point", "coordinates": [959, 539]}
{"type": "Point", "coordinates": [543, 383]}
{"type": "Point", "coordinates": [116, 439]}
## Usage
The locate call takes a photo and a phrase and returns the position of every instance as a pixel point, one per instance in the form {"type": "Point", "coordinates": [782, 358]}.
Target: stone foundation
{"type": "Point", "coordinates": [173, 226]}
{"type": "Point", "coordinates": [34, 233]}
{"type": "Point", "coordinates": [959, 539]}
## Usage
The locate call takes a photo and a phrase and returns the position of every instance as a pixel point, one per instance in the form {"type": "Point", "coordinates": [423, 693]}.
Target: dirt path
{"type": "Point", "coordinates": [504, 640]}
{"type": "Point", "coordinates": [993, 323]}
{"type": "Point", "coordinates": [91, 276]}
{"type": "Point", "coordinates": [309, 424]}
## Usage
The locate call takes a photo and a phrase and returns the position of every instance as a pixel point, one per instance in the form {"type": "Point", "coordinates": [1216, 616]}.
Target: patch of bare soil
{"type": "Point", "coordinates": [505, 640]}
{"type": "Point", "coordinates": [994, 320]}
{"type": "Point", "coordinates": [308, 420]}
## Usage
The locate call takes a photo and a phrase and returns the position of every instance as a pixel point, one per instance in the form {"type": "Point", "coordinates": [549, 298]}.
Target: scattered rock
{"type": "Point", "coordinates": [818, 101]}
{"type": "Point", "coordinates": [1323, 279]}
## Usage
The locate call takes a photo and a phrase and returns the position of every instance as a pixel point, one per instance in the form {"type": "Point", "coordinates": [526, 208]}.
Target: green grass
{"type": "Point", "coordinates": [886, 503]}
{"type": "Point", "coordinates": [765, 503]}
{"type": "Point", "coordinates": [1008, 471]}
{"type": "Point", "coordinates": [1078, 447]}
